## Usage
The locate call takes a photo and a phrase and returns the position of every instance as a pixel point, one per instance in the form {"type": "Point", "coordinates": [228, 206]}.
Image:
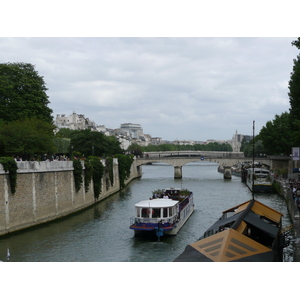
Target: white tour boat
{"type": "Point", "coordinates": [163, 214]}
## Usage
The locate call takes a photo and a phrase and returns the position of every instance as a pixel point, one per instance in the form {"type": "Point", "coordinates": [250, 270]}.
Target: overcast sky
{"type": "Point", "coordinates": [175, 88]}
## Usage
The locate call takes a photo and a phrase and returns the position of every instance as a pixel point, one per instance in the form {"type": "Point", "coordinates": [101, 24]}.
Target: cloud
{"type": "Point", "coordinates": [176, 88]}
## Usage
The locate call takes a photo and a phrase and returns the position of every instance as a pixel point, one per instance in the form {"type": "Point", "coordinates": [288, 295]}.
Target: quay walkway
{"type": "Point", "coordinates": [294, 214]}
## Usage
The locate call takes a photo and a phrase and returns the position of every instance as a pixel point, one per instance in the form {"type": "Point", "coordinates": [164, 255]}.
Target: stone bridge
{"type": "Point", "coordinates": [223, 159]}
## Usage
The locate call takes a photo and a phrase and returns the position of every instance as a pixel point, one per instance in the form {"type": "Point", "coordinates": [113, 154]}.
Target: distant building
{"type": "Point", "coordinates": [237, 139]}
{"type": "Point", "coordinates": [74, 122]}
{"type": "Point", "coordinates": [130, 133]}
{"type": "Point", "coordinates": [134, 130]}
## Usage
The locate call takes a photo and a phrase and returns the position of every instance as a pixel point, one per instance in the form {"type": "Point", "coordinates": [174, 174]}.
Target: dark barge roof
{"type": "Point", "coordinates": [232, 244]}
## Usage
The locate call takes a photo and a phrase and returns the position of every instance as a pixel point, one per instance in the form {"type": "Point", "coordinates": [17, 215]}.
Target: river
{"type": "Point", "coordinates": [101, 233]}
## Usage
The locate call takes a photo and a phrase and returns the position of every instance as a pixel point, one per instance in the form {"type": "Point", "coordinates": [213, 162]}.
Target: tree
{"type": "Point", "coordinates": [294, 89]}
{"type": "Point", "coordinates": [64, 133]}
{"type": "Point", "coordinates": [23, 93]}
{"type": "Point", "coordinates": [135, 149]}
{"type": "Point", "coordinates": [277, 136]}
{"type": "Point", "coordinates": [26, 138]}
{"type": "Point", "coordinates": [94, 143]}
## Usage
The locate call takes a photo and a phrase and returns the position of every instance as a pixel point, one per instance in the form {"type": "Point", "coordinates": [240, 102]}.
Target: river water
{"type": "Point", "coordinates": [101, 233]}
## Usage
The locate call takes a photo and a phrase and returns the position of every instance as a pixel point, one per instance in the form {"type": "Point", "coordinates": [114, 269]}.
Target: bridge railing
{"type": "Point", "coordinates": [190, 153]}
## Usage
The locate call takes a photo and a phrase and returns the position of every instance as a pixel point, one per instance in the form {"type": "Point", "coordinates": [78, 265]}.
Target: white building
{"type": "Point", "coordinates": [74, 122]}
{"type": "Point", "coordinates": [134, 130]}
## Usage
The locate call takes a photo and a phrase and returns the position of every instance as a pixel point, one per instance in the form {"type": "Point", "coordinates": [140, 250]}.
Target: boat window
{"type": "Point", "coordinates": [170, 211]}
{"type": "Point", "coordinates": [165, 212]}
{"type": "Point", "coordinates": [144, 213]}
{"type": "Point", "coordinates": [156, 213]}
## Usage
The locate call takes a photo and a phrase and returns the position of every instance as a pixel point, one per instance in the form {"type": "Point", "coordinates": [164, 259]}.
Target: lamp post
{"type": "Point", "coordinates": [93, 150]}
{"type": "Point", "coordinates": [71, 152]}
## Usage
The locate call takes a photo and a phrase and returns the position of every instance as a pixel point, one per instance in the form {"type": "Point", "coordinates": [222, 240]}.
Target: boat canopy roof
{"type": "Point", "coordinates": [227, 245]}
{"type": "Point", "coordinates": [156, 203]}
{"type": "Point", "coordinates": [250, 218]}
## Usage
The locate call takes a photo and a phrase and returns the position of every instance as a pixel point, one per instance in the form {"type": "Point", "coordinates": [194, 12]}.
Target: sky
{"type": "Point", "coordinates": [194, 87]}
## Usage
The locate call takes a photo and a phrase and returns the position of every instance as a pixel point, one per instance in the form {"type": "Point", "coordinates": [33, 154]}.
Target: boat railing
{"type": "Point", "coordinates": [134, 220]}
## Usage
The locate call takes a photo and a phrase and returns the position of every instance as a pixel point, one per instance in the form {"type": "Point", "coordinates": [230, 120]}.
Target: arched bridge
{"type": "Point", "coordinates": [224, 159]}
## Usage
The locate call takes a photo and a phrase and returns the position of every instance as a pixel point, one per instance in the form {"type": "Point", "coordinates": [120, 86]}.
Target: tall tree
{"type": "Point", "coordinates": [277, 136]}
{"type": "Point", "coordinates": [294, 86]}
{"type": "Point", "coordinates": [23, 93]}
{"type": "Point", "coordinates": [26, 138]}
{"type": "Point", "coordinates": [89, 143]}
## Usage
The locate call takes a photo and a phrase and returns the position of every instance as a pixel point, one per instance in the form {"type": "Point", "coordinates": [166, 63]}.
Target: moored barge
{"type": "Point", "coordinates": [249, 232]}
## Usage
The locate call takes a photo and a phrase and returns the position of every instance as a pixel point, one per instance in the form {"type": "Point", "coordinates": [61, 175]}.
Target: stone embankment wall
{"type": "Point", "coordinates": [46, 191]}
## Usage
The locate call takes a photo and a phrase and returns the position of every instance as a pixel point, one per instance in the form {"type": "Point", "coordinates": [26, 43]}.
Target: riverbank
{"type": "Point", "coordinates": [283, 188]}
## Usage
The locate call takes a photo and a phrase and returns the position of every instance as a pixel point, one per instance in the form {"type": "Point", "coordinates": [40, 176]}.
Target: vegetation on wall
{"type": "Point", "coordinates": [77, 174]}
{"type": "Point", "coordinates": [109, 170]}
{"type": "Point", "coordinates": [10, 165]}
{"type": "Point", "coordinates": [97, 170]}
{"type": "Point", "coordinates": [88, 174]}
{"type": "Point", "coordinates": [125, 162]}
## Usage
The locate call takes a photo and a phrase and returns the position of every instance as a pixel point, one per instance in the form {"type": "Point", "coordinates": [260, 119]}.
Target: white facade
{"type": "Point", "coordinates": [134, 130]}
{"type": "Point", "coordinates": [74, 122]}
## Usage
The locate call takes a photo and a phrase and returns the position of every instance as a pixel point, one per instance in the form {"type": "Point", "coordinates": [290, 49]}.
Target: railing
{"type": "Point", "coordinates": [134, 220]}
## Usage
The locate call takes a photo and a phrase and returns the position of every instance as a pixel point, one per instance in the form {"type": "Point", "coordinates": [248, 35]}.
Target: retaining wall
{"type": "Point", "coordinates": [46, 191]}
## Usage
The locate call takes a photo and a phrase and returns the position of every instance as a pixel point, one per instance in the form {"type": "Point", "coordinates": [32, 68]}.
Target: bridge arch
{"type": "Point", "coordinates": [176, 162]}
{"type": "Point", "coordinates": [224, 159]}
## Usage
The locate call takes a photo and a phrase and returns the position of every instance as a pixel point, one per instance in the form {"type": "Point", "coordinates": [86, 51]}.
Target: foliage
{"type": "Point", "coordinates": [23, 93]}
{"type": "Point", "coordinates": [109, 169]}
{"type": "Point", "coordinates": [97, 174]}
{"type": "Point", "coordinates": [77, 174]}
{"type": "Point", "coordinates": [294, 86]}
{"type": "Point", "coordinates": [125, 162]}
{"type": "Point", "coordinates": [93, 143]}
{"type": "Point", "coordinates": [26, 138]}
{"type": "Point", "coordinates": [64, 133]}
{"type": "Point", "coordinates": [88, 174]}
{"type": "Point", "coordinates": [10, 165]}
{"type": "Point", "coordinates": [277, 135]}
{"type": "Point", "coordinates": [259, 149]}
{"type": "Point", "coordinates": [62, 145]}
{"type": "Point", "coordinates": [135, 149]}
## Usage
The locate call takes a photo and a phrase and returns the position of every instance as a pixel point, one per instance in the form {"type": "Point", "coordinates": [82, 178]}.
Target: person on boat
{"type": "Point", "coordinates": [166, 196]}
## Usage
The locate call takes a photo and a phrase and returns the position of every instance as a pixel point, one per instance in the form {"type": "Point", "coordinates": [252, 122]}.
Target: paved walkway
{"type": "Point", "coordinates": [296, 243]}
{"type": "Point", "coordinates": [295, 218]}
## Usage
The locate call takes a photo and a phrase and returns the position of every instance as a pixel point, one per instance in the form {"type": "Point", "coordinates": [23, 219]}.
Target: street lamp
{"type": "Point", "coordinates": [72, 152]}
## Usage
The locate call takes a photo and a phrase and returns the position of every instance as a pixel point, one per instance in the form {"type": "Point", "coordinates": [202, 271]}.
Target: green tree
{"type": "Point", "coordinates": [294, 86]}
{"type": "Point", "coordinates": [294, 97]}
{"type": "Point", "coordinates": [22, 93]}
{"type": "Point", "coordinates": [135, 149]}
{"type": "Point", "coordinates": [93, 143]}
{"type": "Point", "coordinates": [64, 133]}
{"type": "Point", "coordinates": [62, 145]}
{"type": "Point", "coordinates": [26, 138]}
{"type": "Point", "coordinates": [277, 136]}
